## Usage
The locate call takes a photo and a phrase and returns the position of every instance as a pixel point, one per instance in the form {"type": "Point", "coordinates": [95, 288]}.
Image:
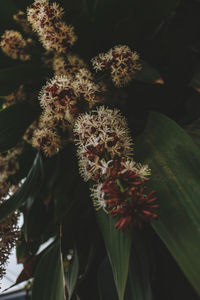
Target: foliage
{"type": "Point", "coordinates": [89, 258]}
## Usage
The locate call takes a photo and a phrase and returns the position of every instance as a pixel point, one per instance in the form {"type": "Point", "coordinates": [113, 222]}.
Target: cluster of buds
{"type": "Point", "coordinates": [9, 231]}
{"type": "Point", "coordinates": [120, 61]}
{"type": "Point", "coordinates": [58, 98]}
{"type": "Point", "coordinates": [9, 234]}
{"type": "Point", "coordinates": [61, 100]}
{"type": "Point", "coordinates": [58, 102]}
{"type": "Point", "coordinates": [104, 142]}
{"type": "Point", "coordinates": [13, 45]}
{"type": "Point", "coordinates": [105, 157]}
{"type": "Point", "coordinates": [123, 195]}
{"type": "Point", "coordinates": [71, 65]}
{"type": "Point", "coordinates": [46, 20]}
{"type": "Point", "coordinates": [47, 134]}
{"type": "Point", "coordinates": [8, 165]}
{"type": "Point", "coordinates": [102, 135]}
{"type": "Point", "coordinates": [47, 140]}
{"type": "Point", "coordinates": [28, 135]}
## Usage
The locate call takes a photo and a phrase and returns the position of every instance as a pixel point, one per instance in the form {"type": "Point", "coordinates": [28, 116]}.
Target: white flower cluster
{"type": "Point", "coordinates": [102, 135]}
{"type": "Point", "coordinates": [61, 95]}
{"type": "Point", "coordinates": [120, 61]}
{"type": "Point", "coordinates": [13, 45]}
{"type": "Point", "coordinates": [58, 97]}
{"type": "Point", "coordinates": [142, 171]}
{"type": "Point", "coordinates": [61, 99]}
{"type": "Point", "coordinates": [105, 153]}
{"type": "Point", "coordinates": [72, 65]}
{"type": "Point", "coordinates": [47, 140]}
{"type": "Point", "coordinates": [46, 20]}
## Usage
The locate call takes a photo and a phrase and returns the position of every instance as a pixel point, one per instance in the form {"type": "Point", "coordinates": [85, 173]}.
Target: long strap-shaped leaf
{"type": "Point", "coordinates": [138, 283]}
{"type": "Point", "coordinates": [29, 188]}
{"type": "Point", "coordinates": [71, 275]}
{"type": "Point", "coordinates": [14, 120]}
{"type": "Point", "coordinates": [118, 246]}
{"type": "Point", "coordinates": [175, 162]}
{"type": "Point", "coordinates": [49, 275]}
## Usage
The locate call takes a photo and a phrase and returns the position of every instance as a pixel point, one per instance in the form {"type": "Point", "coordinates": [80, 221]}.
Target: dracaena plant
{"type": "Point", "coordinates": [87, 164]}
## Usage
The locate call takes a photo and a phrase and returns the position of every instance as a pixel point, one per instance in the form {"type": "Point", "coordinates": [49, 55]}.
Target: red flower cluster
{"type": "Point", "coordinates": [125, 197]}
{"type": "Point", "coordinates": [105, 157]}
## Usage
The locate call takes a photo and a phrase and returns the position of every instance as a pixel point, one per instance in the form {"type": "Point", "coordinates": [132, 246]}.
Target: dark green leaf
{"type": "Point", "coordinates": [69, 192]}
{"type": "Point", "coordinates": [131, 20]}
{"type": "Point", "coordinates": [45, 227]}
{"type": "Point", "coordinates": [23, 4]}
{"type": "Point", "coordinates": [14, 120]}
{"type": "Point", "coordinates": [138, 284]}
{"type": "Point", "coordinates": [90, 6]}
{"type": "Point", "coordinates": [29, 188]}
{"type": "Point", "coordinates": [175, 162]}
{"type": "Point", "coordinates": [12, 77]}
{"type": "Point", "coordinates": [24, 249]}
{"type": "Point", "coordinates": [49, 275]}
{"type": "Point", "coordinates": [106, 284]}
{"type": "Point", "coordinates": [25, 161]}
{"type": "Point", "coordinates": [148, 74]}
{"type": "Point", "coordinates": [7, 9]}
{"type": "Point", "coordinates": [168, 280]}
{"type": "Point", "coordinates": [118, 246]}
{"type": "Point", "coordinates": [193, 130]}
{"type": "Point", "coordinates": [41, 206]}
{"type": "Point", "coordinates": [71, 275]}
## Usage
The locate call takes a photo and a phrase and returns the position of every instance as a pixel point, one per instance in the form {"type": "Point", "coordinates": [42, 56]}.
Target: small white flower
{"type": "Point", "coordinates": [142, 171]}
{"type": "Point", "coordinates": [98, 197]}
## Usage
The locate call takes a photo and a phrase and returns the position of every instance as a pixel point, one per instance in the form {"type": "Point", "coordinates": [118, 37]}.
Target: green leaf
{"type": "Point", "coordinates": [14, 120]}
{"type": "Point", "coordinates": [148, 74]}
{"type": "Point", "coordinates": [118, 246]}
{"type": "Point", "coordinates": [69, 192]}
{"type": "Point", "coordinates": [49, 275]}
{"type": "Point", "coordinates": [175, 162]}
{"type": "Point", "coordinates": [12, 77]}
{"type": "Point", "coordinates": [23, 4]}
{"type": "Point", "coordinates": [25, 250]}
{"type": "Point", "coordinates": [41, 206]}
{"type": "Point", "coordinates": [106, 285]}
{"type": "Point", "coordinates": [131, 20]}
{"type": "Point", "coordinates": [71, 275]}
{"type": "Point", "coordinates": [138, 284]}
{"type": "Point", "coordinates": [193, 130]}
{"type": "Point", "coordinates": [90, 6]}
{"type": "Point", "coordinates": [28, 189]}
{"type": "Point", "coordinates": [25, 161]}
{"type": "Point", "coordinates": [7, 9]}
